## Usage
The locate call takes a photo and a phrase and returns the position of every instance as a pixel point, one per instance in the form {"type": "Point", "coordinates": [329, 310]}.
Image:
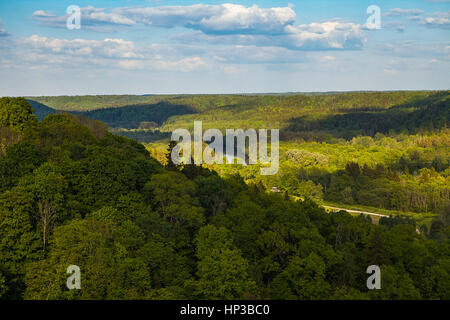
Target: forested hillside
{"type": "Point", "coordinates": [373, 150]}
{"type": "Point", "coordinates": [88, 103]}
{"type": "Point", "coordinates": [299, 115]}
{"type": "Point", "coordinates": [378, 151]}
{"type": "Point", "coordinates": [72, 193]}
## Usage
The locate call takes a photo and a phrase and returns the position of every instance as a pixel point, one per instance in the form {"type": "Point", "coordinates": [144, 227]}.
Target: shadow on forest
{"type": "Point", "coordinates": [429, 113]}
{"type": "Point", "coordinates": [40, 110]}
{"type": "Point", "coordinates": [415, 115]}
{"type": "Point", "coordinates": [128, 117]}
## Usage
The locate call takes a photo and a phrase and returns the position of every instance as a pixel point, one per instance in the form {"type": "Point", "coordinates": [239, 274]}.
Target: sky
{"type": "Point", "coordinates": [193, 47]}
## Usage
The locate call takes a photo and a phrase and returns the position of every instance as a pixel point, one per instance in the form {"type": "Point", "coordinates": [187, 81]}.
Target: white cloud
{"type": "Point", "coordinates": [99, 15]}
{"type": "Point", "coordinates": [43, 14]}
{"type": "Point", "coordinates": [227, 23]}
{"type": "Point", "coordinates": [53, 54]}
{"type": "Point", "coordinates": [221, 19]}
{"type": "Point", "coordinates": [327, 58]}
{"type": "Point", "coordinates": [107, 48]}
{"type": "Point", "coordinates": [437, 19]}
{"type": "Point", "coordinates": [215, 19]}
{"type": "Point", "coordinates": [397, 12]}
{"type": "Point", "coordinates": [97, 19]}
{"type": "Point", "coordinates": [326, 35]}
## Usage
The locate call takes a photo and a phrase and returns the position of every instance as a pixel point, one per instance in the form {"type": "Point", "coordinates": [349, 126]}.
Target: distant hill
{"type": "Point", "coordinates": [88, 103]}
{"type": "Point", "coordinates": [305, 115]}
{"type": "Point", "coordinates": [342, 115]}
{"type": "Point", "coordinates": [40, 110]}
{"type": "Point", "coordinates": [130, 117]}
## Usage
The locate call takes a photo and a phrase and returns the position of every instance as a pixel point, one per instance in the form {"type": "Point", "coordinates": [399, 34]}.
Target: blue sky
{"type": "Point", "coordinates": [143, 47]}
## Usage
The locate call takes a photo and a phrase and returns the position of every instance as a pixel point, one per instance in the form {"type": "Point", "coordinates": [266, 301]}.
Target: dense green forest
{"type": "Point", "coordinates": [377, 150]}
{"type": "Point", "coordinates": [316, 117]}
{"type": "Point", "coordinates": [88, 103]}
{"type": "Point", "coordinates": [73, 193]}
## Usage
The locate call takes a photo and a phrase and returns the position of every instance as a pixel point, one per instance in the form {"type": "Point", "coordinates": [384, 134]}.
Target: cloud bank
{"type": "Point", "coordinates": [226, 23]}
{"type": "Point", "coordinates": [435, 20]}
{"type": "Point", "coordinates": [215, 19]}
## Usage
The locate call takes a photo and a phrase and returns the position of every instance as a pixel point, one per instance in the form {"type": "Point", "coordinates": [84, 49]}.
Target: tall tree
{"type": "Point", "coordinates": [16, 113]}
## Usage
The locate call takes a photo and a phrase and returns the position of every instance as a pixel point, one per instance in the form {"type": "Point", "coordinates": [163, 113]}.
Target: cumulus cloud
{"type": "Point", "coordinates": [107, 48]}
{"type": "Point", "coordinates": [43, 14]}
{"type": "Point", "coordinates": [239, 35]}
{"type": "Point", "coordinates": [437, 20]}
{"type": "Point", "coordinates": [228, 23]}
{"type": "Point", "coordinates": [225, 18]}
{"type": "Point", "coordinates": [109, 53]}
{"type": "Point", "coordinates": [97, 19]}
{"type": "Point", "coordinates": [326, 35]}
{"type": "Point", "coordinates": [215, 19]}
{"type": "Point", "coordinates": [434, 20]}
{"type": "Point", "coordinates": [56, 55]}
